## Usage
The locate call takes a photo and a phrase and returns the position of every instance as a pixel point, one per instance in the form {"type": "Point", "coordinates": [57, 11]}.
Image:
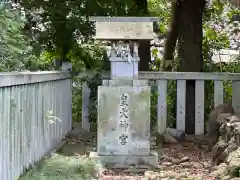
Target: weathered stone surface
{"type": "Point", "coordinates": [166, 163]}
{"type": "Point", "coordinates": [233, 155]}
{"type": "Point", "coordinates": [226, 177]}
{"type": "Point", "coordinates": [234, 167]}
{"type": "Point", "coordinates": [182, 160]}
{"type": "Point", "coordinates": [221, 171]}
{"type": "Point", "coordinates": [217, 117]}
{"type": "Point", "coordinates": [137, 127]}
{"type": "Point", "coordinates": [227, 150]}
{"type": "Point", "coordinates": [218, 151]}
{"type": "Point", "coordinates": [197, 165]}
{"type": "Point", "coordinates": [169, 136]}
{"type": "Point", "coordinates": [187, 164]}
{"type": "Point", "coordinates": [124, 30]}
{"type": "Point", "coordinates": [151, 175]}
{"type": "Point", "coordinates": [123, 71]}
{"type": "Point", "coordinates": [207, 165]}
{"type": "Point", "coordinates": [125, 161]}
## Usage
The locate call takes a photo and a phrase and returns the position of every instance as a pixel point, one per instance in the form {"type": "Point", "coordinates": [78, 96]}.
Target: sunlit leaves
{"type": "Point", "coordinates": [13, 44]}
{"type": "Point", "coordinates": [15, 49]}
{"type": "Point", "coordinates": [161, 9]}
{"type": "Point", "coordinates": [210, 33]}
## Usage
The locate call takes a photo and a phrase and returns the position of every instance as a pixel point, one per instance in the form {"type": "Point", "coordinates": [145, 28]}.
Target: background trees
{"type": "Point", "coordinates": [43, 31]}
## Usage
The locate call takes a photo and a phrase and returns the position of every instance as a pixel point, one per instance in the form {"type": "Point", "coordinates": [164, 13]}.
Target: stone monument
{"type": "Point", "coordinates": [124, 101]}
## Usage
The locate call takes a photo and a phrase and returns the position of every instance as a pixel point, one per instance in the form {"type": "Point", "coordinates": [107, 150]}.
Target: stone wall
{"type": "Point", "coordinates": [226, 153]}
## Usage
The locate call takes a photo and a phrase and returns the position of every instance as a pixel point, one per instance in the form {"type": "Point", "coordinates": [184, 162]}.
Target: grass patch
{"type": "Point", "coordinates": [60, 167]}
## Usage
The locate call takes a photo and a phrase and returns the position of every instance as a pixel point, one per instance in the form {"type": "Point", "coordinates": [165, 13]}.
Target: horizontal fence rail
{"type": "Point", "coordinates": [35, 115]}
{"type": "Point", "coordinates": [153, 75]}
{"type": "Point", "coordinates": [162, 79]}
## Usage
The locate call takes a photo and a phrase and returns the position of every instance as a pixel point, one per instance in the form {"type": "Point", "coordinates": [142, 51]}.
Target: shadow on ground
{"type": "Point", "coordinates": [78, 147]}
{"type": "Point", "coordinates": [68, 163]}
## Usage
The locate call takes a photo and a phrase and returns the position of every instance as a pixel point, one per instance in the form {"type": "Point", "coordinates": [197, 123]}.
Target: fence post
{"type": "Point", "coordinates": [162, 106]}
{"type": "Point", "coordinates": [85, 103]}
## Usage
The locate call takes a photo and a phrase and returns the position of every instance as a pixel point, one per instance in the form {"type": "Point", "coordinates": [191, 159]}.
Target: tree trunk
{"type": "Point", "coordinates": [190, 51]}
{"type": "Point", "coordinates": [145, 55]}
{"type": "Point", "coordinates": [144, 45]}
{"type": "Point", "coordinates": [171, 40]}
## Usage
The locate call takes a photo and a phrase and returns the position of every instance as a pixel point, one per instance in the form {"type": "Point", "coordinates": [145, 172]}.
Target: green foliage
{"type": "Point", "coordinates": [16, 52]}
{"type": "Point", "coordinates": [60, 167]}
{"type": "Point", "coordinates": [161, 9]}
{"type": "Point", "coordinates": [213, 39]}
{"type": "Point", "coordinates": [77, 100]}
{"type": "Point", "coordinates": [62, 25]}
{"type": "Point", "coordinates": [96, 57]}
{"type": "Point", "coordinates": [13, 44]}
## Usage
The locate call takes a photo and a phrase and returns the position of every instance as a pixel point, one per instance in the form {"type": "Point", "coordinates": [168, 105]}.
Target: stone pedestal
{"type": "Point", "coordinates": [124, 125]}
{"type": "Point", "coordinates": [127, 161]}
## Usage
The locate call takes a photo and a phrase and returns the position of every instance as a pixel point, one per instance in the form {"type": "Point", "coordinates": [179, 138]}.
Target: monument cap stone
{"type": "Point", "coordinates": [124, 28]}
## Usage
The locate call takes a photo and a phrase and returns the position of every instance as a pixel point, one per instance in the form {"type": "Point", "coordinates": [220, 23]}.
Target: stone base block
{"type": "Point", "coordinates": [126, 161]}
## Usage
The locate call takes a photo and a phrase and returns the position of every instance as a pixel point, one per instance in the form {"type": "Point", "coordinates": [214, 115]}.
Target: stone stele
{"type": "Point", "coordinates": [134, 148]}
{"type": "Point", "coordinates": [124, 30]}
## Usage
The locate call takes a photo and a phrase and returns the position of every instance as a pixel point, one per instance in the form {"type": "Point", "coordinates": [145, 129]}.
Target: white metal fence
{"type": "Point", "coordinates": [162, 79]}
{"type": "Point", "coordinates": [35, 115]}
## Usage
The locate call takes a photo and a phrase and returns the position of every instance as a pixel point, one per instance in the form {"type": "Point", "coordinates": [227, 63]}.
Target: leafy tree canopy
{"type": "Point", "coordinates": [16, 52]}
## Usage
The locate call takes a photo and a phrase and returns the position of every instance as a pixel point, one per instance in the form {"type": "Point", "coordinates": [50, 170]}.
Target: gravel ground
{"type": "Point", "coordinates": [183, 161]}
{"type": "Point", "coordinates": [179, 161]}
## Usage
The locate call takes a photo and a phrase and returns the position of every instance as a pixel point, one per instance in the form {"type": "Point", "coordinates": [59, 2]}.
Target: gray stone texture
{"type": "Point", "coordinates": [109, 130]}
{"type": "Point", "coordinates": [123, 161]}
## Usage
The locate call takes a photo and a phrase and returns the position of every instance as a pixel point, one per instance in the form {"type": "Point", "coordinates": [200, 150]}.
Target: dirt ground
{"type": "Point", "coordinates": [177, 161]}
